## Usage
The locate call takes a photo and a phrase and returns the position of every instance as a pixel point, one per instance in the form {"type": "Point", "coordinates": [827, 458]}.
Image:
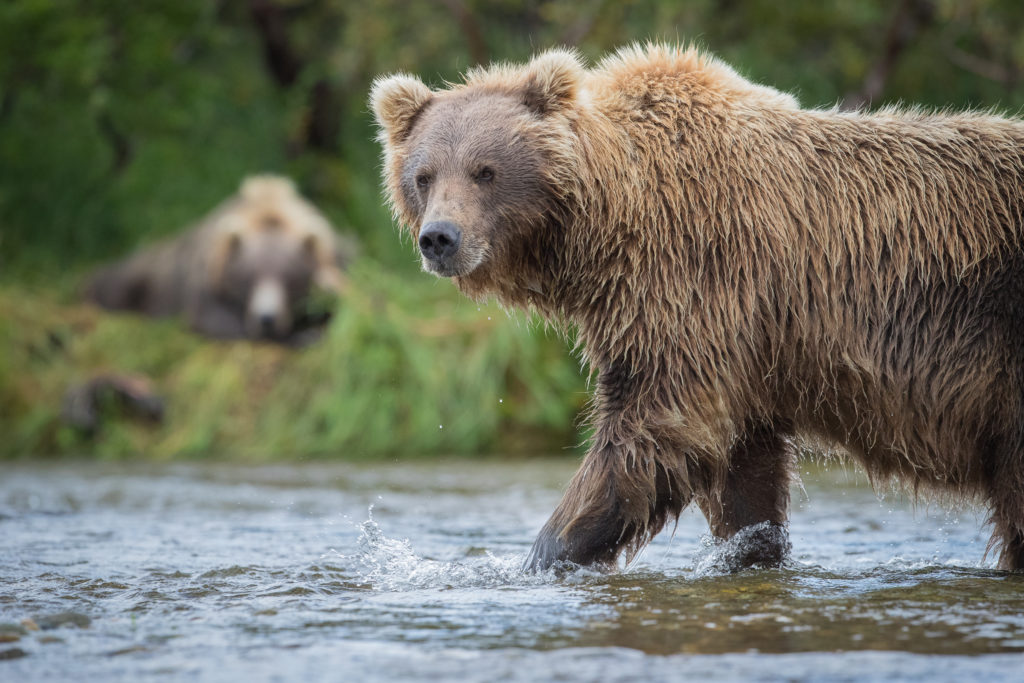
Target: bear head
{"type": "Point", "coordinates": [480, 172]}
{"type": "Point", "coordinates": [270, 248]}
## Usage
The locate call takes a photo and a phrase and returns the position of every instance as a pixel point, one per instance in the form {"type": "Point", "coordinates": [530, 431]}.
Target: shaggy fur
{"type": "Point", "coordinates": [243, 271]}
{"type": "Point", "coordinates": [742, 273]}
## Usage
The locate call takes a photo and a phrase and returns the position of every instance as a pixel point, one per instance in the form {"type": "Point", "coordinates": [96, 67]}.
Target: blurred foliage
{"type": "Point", "coordinates": [401, 372]}
{"type": "Point", "coordinates": [120, 121]}
{"type": "Point", "coordinates": [123, 121]}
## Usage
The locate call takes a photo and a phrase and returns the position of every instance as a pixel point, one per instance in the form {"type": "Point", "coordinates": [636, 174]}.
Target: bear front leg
{"type": "Point", "coordinates": [754, 490]}
{"type": "Point", "coordinates": [628, 485]}
{"type": "Point", "coordinates": [618, 500]}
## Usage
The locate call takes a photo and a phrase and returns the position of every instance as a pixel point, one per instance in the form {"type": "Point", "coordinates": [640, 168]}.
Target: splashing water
{"type": "Point", "coordinates": [390, 564]}
{"type": "Point", "coordinates": [718, 556]}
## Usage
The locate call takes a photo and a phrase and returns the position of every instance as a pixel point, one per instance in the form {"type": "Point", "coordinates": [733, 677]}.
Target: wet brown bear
{"type": "Point", "coordinates": [742, 273]}
{"type": "Point", "coordinates": [244, 271]}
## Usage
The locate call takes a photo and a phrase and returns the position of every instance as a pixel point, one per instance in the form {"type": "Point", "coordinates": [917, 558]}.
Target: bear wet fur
{"type": "Point", "coordinates": [245, 270]}
{"type": "Point", "coordinates": [743, 275]}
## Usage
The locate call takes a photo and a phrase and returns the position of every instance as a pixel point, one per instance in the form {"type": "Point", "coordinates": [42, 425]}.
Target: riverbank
{"type": "Point", "coordinates": [408, 367]}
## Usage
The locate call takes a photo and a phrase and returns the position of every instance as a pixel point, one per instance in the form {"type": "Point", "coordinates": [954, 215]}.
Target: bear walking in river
{"type": "Point", "coordinates": [744, 275]}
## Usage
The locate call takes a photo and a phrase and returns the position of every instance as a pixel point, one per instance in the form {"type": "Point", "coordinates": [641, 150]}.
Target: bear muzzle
{"type": "Point", "coordinates": [439, 243]}
{"type": "Point", "coordinates": [268, 314]}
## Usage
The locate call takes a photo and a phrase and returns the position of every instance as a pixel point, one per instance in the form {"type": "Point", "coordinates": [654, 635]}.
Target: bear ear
{"type": "Point", "coordinates": [552, 80]}
{"type": "Point", "coordinates": [327, 274]}
{"type": "Point", "coordinates": [314, 248]}
{"type": "Point", "coordinates": [227, 245]}
{"type": "Point", "coordinates": [397, 101]}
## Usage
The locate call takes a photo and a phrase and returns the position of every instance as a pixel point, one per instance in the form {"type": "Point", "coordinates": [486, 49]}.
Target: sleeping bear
{"type": "Point", "coordinates": [246, 270]}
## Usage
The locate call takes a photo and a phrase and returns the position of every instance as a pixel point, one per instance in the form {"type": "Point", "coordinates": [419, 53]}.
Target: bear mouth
{"type": "Point", "coordinates": [439, 268]}
{"type": "Point", "coordinates": [451, 267]}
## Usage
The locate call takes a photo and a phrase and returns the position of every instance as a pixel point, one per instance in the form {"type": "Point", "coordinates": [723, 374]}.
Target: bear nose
{"type": "Point", "coordinates": [440, 240]}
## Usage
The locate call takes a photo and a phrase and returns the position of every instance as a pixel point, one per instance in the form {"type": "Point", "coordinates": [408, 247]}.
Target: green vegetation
{"type": "Point", "coordinates": [404, 370]}
{"type": "Point", "coordinates": [121, 122]}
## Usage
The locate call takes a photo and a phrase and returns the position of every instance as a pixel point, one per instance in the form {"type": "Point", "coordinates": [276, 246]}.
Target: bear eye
{"type": "Point", "coordinates": [423, 181]}
{"type": "Point", "coordinates": [485, 175]}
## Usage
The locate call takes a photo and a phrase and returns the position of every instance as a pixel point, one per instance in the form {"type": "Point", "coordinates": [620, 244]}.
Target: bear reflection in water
{"type": "Point", "coordinates": [247, 269]}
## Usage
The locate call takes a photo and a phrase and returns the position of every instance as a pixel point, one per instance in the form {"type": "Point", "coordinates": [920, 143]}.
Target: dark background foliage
{"type": "Point", "coordinates": [121, 120]}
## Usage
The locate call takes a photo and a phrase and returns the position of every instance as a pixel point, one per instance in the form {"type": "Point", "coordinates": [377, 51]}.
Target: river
{"type": "Point", "coordinates": [411, 571]}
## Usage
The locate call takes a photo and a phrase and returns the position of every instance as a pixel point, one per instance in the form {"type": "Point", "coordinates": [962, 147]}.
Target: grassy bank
{"type": "Point", "coordinates": [407, 368]}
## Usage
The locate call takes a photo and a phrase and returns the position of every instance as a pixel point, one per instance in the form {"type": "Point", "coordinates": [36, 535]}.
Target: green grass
{"type": "Point", "coordinates": [407, 368]}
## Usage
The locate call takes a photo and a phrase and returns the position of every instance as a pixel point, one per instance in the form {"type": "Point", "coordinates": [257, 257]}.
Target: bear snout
{"type": "Point", "coordinates": [439, 242]}
{"type": "Point", "coordinates": [268, 315]}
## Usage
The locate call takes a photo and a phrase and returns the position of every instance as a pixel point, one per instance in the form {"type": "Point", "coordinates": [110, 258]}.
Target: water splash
{"type": "Point", "coordinates": [390, 564]}
{"type": "Point", "coordinates": [718, 556]}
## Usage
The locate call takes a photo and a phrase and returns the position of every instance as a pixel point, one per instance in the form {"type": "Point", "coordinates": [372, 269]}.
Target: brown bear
{"type": "Point", "coordinates": [245, 270]}
{"type": "Point", "coordinates": [745, 276]}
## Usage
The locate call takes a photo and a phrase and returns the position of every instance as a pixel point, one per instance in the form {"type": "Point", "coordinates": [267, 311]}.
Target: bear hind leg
{"type": "Point", "coordinates": [753, 495]}
{"type": "Point", "coordinates": [1008, 521]}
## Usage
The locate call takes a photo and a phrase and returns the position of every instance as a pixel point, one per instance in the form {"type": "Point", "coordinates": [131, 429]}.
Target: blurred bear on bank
{"type": "Point", "coordinates": [246, 270]}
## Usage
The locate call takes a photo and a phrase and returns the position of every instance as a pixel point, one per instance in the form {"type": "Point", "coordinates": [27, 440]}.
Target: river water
{"type": "Point", "coordinates": [411, 572]}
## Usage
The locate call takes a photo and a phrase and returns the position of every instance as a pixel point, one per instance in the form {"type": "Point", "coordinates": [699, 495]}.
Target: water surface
{"type": "Point", "coordinates": [411, 571]}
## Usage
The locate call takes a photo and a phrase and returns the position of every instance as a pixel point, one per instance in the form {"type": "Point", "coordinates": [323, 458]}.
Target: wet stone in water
{"type": "Point", "coordinates": [48, 622]}
{"type": "Point", "coordinates": [10, 633]}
